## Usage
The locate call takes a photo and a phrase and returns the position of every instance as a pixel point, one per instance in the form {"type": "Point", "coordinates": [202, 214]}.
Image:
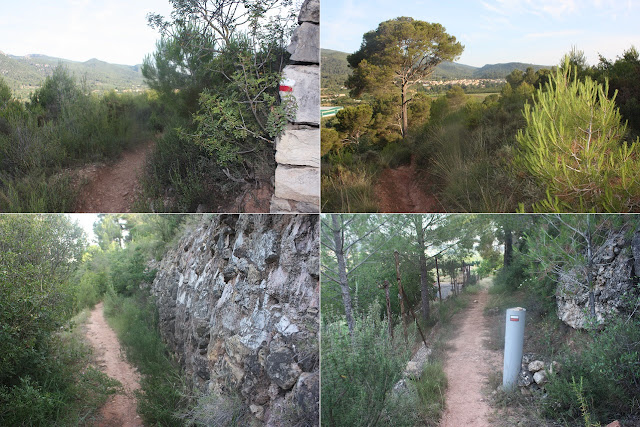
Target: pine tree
{"type": "Point", "coordinates": [573, 146]}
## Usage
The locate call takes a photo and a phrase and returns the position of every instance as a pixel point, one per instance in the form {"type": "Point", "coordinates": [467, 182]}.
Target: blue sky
{"type": "Point", "coordinates": [115, 31]}
{"type": "Point", "coordinates": [497, 31]}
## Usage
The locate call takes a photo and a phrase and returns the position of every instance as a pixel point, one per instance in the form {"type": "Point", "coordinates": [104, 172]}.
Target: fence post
{"type": "Point", "coordinates": [513, 343]}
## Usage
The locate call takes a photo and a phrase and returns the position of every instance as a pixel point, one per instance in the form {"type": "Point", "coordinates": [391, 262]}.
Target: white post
{"type": "Point", "coordinates": [513, 342]}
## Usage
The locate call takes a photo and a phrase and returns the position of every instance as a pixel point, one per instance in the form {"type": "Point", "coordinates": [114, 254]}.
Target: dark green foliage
{"type": "Point", "coordinates": [623, 75]}
{"type": "Point", "coordinates": [190, 173]}
{"type": "Point", "coordinates": [512, 277]}
{"type": "Point", "coordinates": [37, 254]}
{"type": "Point", "coordinates": [61, 127]}
{"type": "Point", "coordinates": [358, 372]}
{"type": "Point", "coordinates": [607, 367]}
{"type": "Point", "coordinates": [44, 378]}
{"type": "Point", "coordinates": [129, 270]}
{"type": "Point", "coordinates": [162, 392]}
{"type": "Point", "coordinates": [335, 69]}
{"type": "Point", "coordinates": [63, 390]}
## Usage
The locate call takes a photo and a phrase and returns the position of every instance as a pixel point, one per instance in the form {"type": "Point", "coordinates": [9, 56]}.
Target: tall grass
{"type": "Point", "coordinates": [349, 191]}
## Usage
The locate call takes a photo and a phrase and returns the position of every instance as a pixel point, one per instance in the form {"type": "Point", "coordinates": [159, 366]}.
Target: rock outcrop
{"type": "Point", "coordinates": [238, 306]}
{"type": "Point", "coordinates": [297, 178]}
{"type": "Point", "coordinates": [614, 271]}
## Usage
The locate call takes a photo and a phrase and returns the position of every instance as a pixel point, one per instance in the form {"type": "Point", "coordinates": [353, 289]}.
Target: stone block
{"type": "Point", "coordinates": [300, 147]}
{"type": "Point", "coordinates": [282, 368]}
{"type": "Point", "coordinates": [304, 207]}
{"type": "Point", "coordinates": [279, 205]}
{"type": "Point", "coordinates": [305, 44]}
{"type": "Point", "coordinates": [303, 82]}
{"type": "Point", "coordinates": [298, 183]}
{"type": "Point", "coordinates": [310, 12]}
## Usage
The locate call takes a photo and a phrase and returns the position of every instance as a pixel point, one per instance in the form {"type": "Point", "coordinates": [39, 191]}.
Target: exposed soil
{"type": "Point", "coordinates": [121, 409]}
{"type": "Point", "coordinates": [468, 365]}
{"type": "Point", "coordinates": [113, 187]}
{"type": "Point", "coordinates": [254, 200]}
{"type": "Point", "coordinates": [398, 191]}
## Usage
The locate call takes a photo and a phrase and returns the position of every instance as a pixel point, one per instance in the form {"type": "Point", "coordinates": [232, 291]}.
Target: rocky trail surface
{"type": "Point", "coordinates": [468, 365]}
{"type": "Point", "coordinates": [398, 191]}
{"type": "Point", "coordinates": [121, 409]}
{"type": "Point", "coordinates": [113, 187]}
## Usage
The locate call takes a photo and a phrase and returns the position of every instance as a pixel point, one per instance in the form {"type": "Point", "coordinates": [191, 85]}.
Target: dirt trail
{"type": "Point", "coordinates": [398, 191]}
{"type": "Point", "coordinates": [468, 366]}
{"type": "Point", "coordinates": [120, 409]}
{"type": "Point", "coordinates": [112, 188]}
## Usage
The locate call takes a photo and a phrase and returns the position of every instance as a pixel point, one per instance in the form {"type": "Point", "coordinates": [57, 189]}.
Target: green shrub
{"type": "Point", "coordinates": [573, 147]}
{"type": "Point", "coordinates": [62, 388]}
{"type": "Point", "coordinates": [359, 371]}
{"type": "Point", "coordinates": [129, 270]}
{"type": "Point", "coordinates": [181, 175]}
{"type": "Point", "coordinates": [37, 192]}
{"type": "Point", "coordinates": [511, 277]}
{"type": "Point", "coordinates": [608, 368]}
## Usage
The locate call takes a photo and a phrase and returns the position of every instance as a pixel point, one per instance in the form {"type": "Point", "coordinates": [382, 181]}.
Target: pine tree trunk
{"type": "Point", "coordinates": [342, 272]}
{"type": "Point", "coordinates": [405, 116]}
{"type": "Point", "coordinates": [508, 247]}
{"type": "Point", "coordinates": [424, 284]}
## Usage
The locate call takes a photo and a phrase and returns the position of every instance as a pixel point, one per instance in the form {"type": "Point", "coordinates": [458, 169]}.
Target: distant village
{"type": "Point", "coordinates": [434, 86]}
{"type": "Point", "coordinates": [480, 83]}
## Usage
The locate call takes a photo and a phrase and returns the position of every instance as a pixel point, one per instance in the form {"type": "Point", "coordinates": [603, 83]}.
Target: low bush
{"type": "Point", "coordinates": [181, 175]}
{"type": "Point", "coordinates": [359, 370]}
{"type": "Point", "coordinates": [608, 371]}
{"type": "Point", "coordinates": [62, 387]}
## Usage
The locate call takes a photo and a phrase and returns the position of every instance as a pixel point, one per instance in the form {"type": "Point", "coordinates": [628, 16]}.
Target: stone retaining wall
{"type": "Point", "coordinates": [297, 180]}
{"type": "Point", "coordinates": [238, 302]}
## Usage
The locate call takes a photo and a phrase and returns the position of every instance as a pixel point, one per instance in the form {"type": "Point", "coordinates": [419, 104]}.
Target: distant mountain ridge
{"type": "Point", "coordinates": [24, 74]}
{"type": "Point", "coordinates": [335, 68]}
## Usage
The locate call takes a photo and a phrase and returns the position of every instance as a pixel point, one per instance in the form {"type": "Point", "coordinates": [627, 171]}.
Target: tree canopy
{"type": "Point", "coordinates": [400, 51]}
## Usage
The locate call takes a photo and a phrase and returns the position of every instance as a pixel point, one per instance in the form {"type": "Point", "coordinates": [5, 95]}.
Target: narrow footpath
{"type": "Point", "coordinates": [121, 409]}
{"type": "Point", "coordinates": [398, 191]}
{"type": "Point", "coordinates": [113, 187]}
{"type": "Point", "coordinates": [468, 365]}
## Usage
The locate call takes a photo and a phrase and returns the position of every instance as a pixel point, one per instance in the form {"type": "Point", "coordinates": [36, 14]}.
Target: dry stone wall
{"type": "Point", "coordinates": [615, 269]}
{"type": "Point", "coordinates": [297, 180]}
{"type": "Point", "coordinates": [238, 306]}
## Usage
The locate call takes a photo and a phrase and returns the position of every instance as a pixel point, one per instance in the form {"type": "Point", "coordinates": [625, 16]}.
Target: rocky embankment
{"type": "Point", "coordinates": [616, 263]}
{"type": "Point", "coordinates": [238, 304]}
